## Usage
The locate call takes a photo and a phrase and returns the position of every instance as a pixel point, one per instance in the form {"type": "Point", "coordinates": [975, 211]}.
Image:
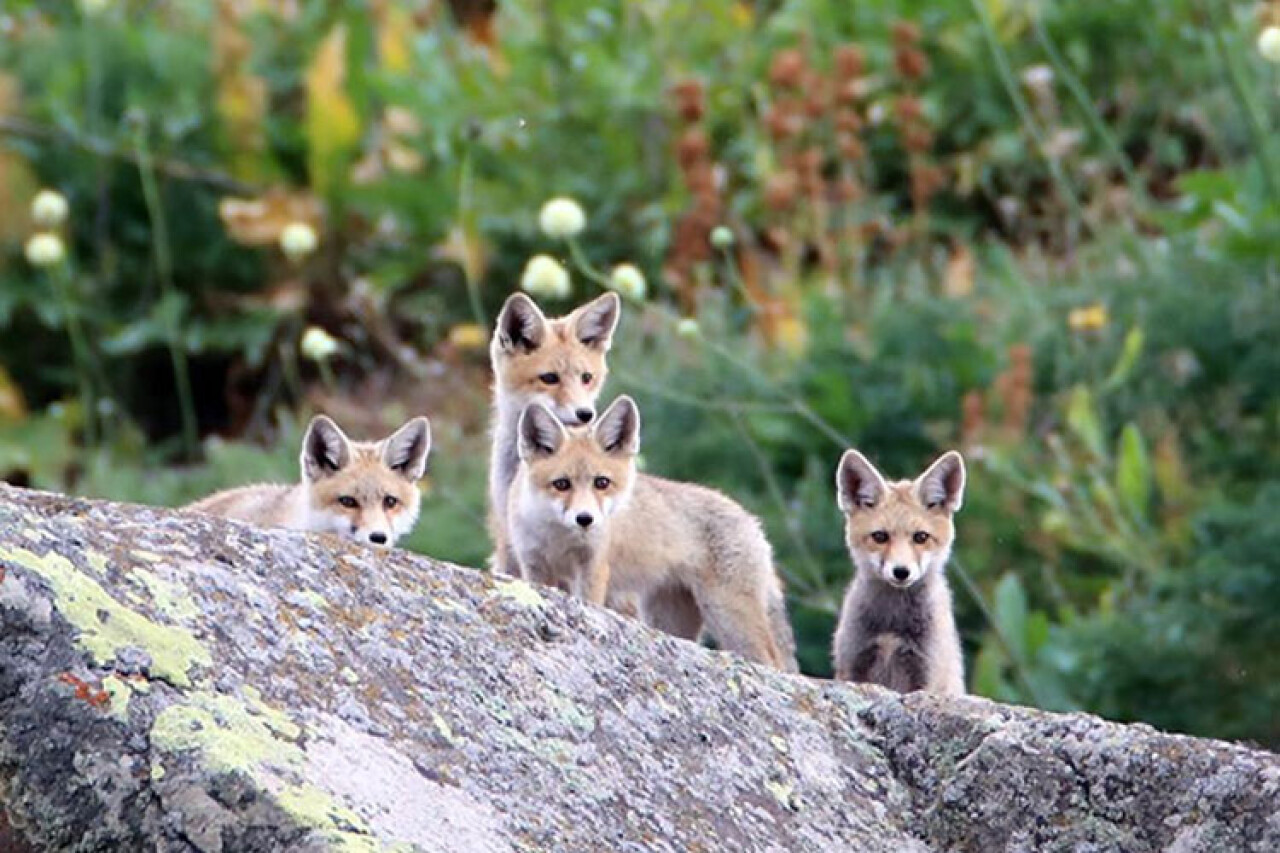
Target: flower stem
{"type": "Point", "coordinates": [79, 353]}
{"type": "Point", "coordinates": [584, 266]}
{"type": "Point", "coordinates": [164, 271]}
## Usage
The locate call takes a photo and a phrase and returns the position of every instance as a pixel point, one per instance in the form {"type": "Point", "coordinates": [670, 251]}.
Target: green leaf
{"type": "Point", "coordinates": [1129, 353]}
{"type": "Point", "coordinates": [1133, 471]}
{"type": "Point", "coordinates": [1082, 419]}
{"type": "Point", "coordinates": [1011, 613]}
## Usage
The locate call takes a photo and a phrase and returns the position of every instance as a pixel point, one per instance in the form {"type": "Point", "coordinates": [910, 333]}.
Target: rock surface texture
{"type": "Point", "coordinates": [180, 683]}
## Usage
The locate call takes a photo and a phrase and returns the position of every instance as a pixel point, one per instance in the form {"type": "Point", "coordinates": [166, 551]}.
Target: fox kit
{"type": "Point", "coordinates": [570, 482]}
{"type": "Point", "coordinates": [559, 363]}
{"type": "Point", "coordinates": [681, 555]}
{"type": "Point", "coordinates": [896, 626]}
{"type": "Point", "coordinates": [363, 491]}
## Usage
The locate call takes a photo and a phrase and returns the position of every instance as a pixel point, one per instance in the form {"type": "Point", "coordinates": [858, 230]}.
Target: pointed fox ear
{"type": "Point", "coordinates": [858, 483]}
{"type": "Point", "coordinates": [942, 485]}
{"type": "Point", "coordinates": [541, 432]}
{"type": "Point", "coordinates": [325, 449]}
{"type": "Point", "coordinates": [618, 429]}
{"type": "Point", "coordinates": [595, 322]}
{"type": "Point", "coordinates": [405, 452]}
{"type": "Point", "coordinates": [521, 325]}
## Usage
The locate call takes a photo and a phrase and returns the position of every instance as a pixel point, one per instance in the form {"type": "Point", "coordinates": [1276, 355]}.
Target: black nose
{"type": "Point", "coordinates": [901, 573]}
{"type": "Point", "coordinates": [378, 538]}
{"type": "Point", "coordinates": [584, 519]}
{"type": "Point", "coordinates": [585, 415]}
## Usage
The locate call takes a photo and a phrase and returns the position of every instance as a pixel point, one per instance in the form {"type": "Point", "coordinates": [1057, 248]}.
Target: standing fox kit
{"type": "Point", "coordinates": [568, 485]}
{"type": "Point", "coordinates": [896, 625]}
{"type": "Point", "coordinates": [362, 491]}
{"type": "Point", "coordinates": [559, 363]}
{"type": "Point", "coordinates": [689, 556]}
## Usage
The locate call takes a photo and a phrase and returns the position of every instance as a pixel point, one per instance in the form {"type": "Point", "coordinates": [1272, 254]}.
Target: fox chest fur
{"type": "Point", "coordinates": [903, 639]}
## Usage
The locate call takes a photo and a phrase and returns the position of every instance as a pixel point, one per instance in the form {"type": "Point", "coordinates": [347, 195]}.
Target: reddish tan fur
{"type": "Point", "coordinates": [681, 555]}
{"type": "Point", "coordinates": [526, 347]}
{"type": "Point", "coordinates": [379, 478]}
{"type": "Point", "coordinates": [896, 625]}
{"type": "Point", "coordinates": [569, 484]}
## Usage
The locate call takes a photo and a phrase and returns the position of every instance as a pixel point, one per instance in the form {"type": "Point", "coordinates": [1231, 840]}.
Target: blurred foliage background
{"type": "Point", "coordinates": [1041, 232]}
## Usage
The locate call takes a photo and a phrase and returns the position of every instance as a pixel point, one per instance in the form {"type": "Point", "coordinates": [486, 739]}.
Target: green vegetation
{"type": "Point", "coordinates": [1041, 233]}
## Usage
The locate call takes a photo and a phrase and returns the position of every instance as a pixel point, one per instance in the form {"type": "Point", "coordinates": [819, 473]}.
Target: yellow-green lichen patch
{"type": "Point", "coordinates": [157, 772]}
{"type": "Point", "coordinates": [521, 592]}
{"type": "Point", "coordinates": [225, 732]}
{"type": "Point", "coordinates": [119, 692]}
{"type": "Point", "coordinates": [340, 826]}
{"type": "Point", "coordinates": [276, 720]}
{"type": "Point", "coordinates": [442, 726]}
{"type": "Point", "coordinates": [783, 792]}
{"type": "Point", "coordinates": [169, 598]}
{"type": "Point", "coordinates": [257, 740]}
{"type": "Point", "coordinates": [97, 562]}
{"type": "Point", "coordinates": [106, 626]}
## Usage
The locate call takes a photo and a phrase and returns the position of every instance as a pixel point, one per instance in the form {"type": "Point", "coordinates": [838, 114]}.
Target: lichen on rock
{"type": "Point", "coordinates": [174, 682]}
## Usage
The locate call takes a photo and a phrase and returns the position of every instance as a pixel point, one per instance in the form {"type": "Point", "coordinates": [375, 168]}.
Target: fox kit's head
{"type": "Point", "coordinates": [577, 478]}
{"type": "Point", "coordinates": [364, 491]}
{"type": "Point", "coordinates": [559, 363]}
{"type": "Point", "coordinates": [899, 532]}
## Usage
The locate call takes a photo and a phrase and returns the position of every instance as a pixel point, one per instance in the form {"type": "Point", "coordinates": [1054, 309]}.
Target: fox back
{"type": "Point", "coordinates": [896, 624]}
{"type": "Point", "coordinates": [362, 491]}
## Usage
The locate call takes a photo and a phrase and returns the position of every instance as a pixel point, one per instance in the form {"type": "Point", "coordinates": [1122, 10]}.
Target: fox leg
{"type": "Point", "coordinates": [673, 610]}
{"type": "Point", "coordinates": [739, 622]}
{"type": "Point", "coordinates": [595, 586]}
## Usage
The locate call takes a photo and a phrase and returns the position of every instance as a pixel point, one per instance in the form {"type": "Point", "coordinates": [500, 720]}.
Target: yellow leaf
{"type": "Point", "coordinates": [241, 101]}
{"type": "Point", "coordinates": [465, 247]}
{"type": "Point", "coordinates": [958, 282]}
{"type": "Point", "coordinates": [259, 221]}
{"type": "Point", "coordinates": [12, 405]}
{"type": "Point", "coordinates": [333, 126]}
{"type": "Point", "coordinates": [468, 336]}
{"type": "Point", "coordinates": [394, 36]}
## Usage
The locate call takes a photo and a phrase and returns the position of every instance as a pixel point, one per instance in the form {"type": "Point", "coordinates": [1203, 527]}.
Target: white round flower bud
{"type": "Point", "coordinates": [687, 327]}
{"type": "Point", "coordinates": [722, 238]}
{"type": "Point", "coordinates": [49, 209]}
{"type": "Point", "coordinates": [45, 250]}
{"type": "Point", "coordinates": [628, 281]}
{"type": "Point", "coordinates": [298, 239]}
{"type": "Point", "coordinates": [1269, 44]}
{"type": "Point", "coordinates": [562, 218]}
{"type": "Point", "coordinates": [92, 8]}
{"type": "Point", "coordinates": [544, 277]}
{"type": "Point", "coordinates": [318, 345]}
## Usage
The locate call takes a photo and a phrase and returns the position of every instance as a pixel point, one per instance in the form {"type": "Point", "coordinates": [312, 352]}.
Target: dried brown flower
{"type": "Point", "coordinates": [905, 34]}
{"type": "Point", "coordinates": [689, 96]}
{"type": "Point", "coordinates": [692, 148]}
{"type": "Point", "coordinates": [850, 62]}
{"type": "Point", "coordinates": [911, 63]}
{"type": "Point", "coordinates": [787, 69]}
{"type": "Point", "coordinates": [780, 191]}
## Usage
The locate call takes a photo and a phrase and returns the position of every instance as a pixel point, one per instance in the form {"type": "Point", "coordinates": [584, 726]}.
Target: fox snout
{"type": "Point", "coordinates": [900, 574]}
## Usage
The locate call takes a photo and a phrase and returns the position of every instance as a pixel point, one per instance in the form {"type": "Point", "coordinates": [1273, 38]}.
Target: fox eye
{"type": "Point", "coordinates": [349, 502]}
{"type": "Point", "coordinates": [390, 502]}
{"type": "Point", "coordinates": [920, 537]}
{"type": "Point", "coordinates": [561, 485]}
{"type": "Point", "coordinates": [549, 378]}
{"type": "Point", "coordinates": [603, 483]}
{"type": "Point", "coordinates": [586, 378]}
{"type": "Point", "coordinates": [879, 537]}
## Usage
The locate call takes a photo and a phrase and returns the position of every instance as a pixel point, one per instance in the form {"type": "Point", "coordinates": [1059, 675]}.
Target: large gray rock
{"type": "Point", "coordinates": [181, 683]}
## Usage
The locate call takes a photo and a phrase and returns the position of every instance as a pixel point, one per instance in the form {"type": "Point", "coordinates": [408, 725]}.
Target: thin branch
{"type": "Point", "coordinates": [170, 168]}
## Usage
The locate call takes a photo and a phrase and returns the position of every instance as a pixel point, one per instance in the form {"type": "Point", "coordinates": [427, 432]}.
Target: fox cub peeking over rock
{"type": "Point", "coordinates": [569, 483]}
{"type": "Point", "coordinates": [896, 626]}
{"type": "Point", "coordinates": [362, 491]}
